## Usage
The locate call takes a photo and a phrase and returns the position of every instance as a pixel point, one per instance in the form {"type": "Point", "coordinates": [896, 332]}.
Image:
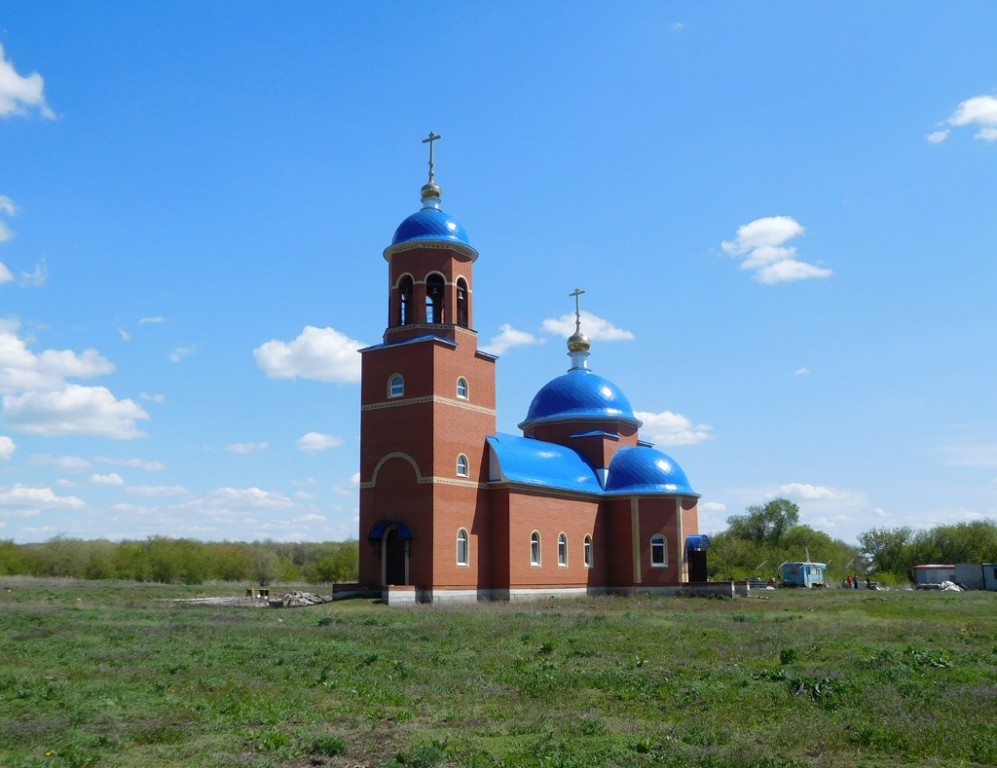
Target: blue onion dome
{"type": "Point", "coordinates": [580, 396]}
{"type": "Point", "coordinates": [640, 469]}
{"type": "Point", "coordinates": [430, 224]}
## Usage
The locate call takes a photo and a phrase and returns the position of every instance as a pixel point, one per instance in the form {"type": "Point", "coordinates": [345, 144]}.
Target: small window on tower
{"type": "Point", "coordinates": [659, 552]}
{"type": "Point", "coordinates": [462, 388]}
{"type": "Point", "coordinates": [534, 548]}
{"type": "Point", "coordinates": [461, 547]}
{"type": "Point", "coordinates": [462, 466]}
{"type": "Point", "coordinates": [562, 550]}
{"type": "Point", "coordinates": [396, 386]}
{"type": "Point", "coordinates": [588, 551]}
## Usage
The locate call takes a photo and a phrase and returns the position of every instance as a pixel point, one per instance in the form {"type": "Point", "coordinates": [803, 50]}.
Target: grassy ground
{"type": "Point", "coordinates": [98, 674]}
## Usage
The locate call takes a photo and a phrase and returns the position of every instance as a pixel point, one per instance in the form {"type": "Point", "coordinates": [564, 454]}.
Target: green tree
{"type": "Point", "coordinates": [765, 523]}
{"type": "Point", "coordinates": [12, 561]}
{"type": "Point", "coordinates": [888, 548]}
{"type": "Point", "coordinates": [265, 566]}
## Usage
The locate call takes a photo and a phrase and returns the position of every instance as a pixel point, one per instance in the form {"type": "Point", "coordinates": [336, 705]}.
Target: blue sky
{"type": "Point", "coordinates": [782, 215]}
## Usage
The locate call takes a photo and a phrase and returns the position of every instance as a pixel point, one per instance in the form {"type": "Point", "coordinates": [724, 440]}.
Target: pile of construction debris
{"type": "Point", "coordinates": [298, 599]}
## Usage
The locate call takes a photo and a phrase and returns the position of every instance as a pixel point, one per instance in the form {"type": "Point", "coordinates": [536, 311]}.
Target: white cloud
{"type": "Point", "coordinates": [125, 336]}
{"type": "Point", "coordinates": [762, 244]}
{"type": "Point", "coordinates": [245, 447]}
{"type": "Point", "coordinates": [156, 319]}
{"type": "Point", "coordinates": [801, 372]}
{"type": "Point", "coordinates": [668, 428]}
{"type": "Point", "coordinates": [21, 95]}
{"type": "Point", "coordinates": [322, 354]}
{"type": "Point", "coordinates": [979, 111]}
{"type": "Point", "coordinates": [593, 326]}
{"type": "Point", "coordinates": [978, 454]}
{"type": "Point", "coordinates": [713, 507]}
{"type": "Point", "coordinates": [112, 478]}
{"type": "Point", "coordinates": [309, 518]}
{"type": "Point", "coordinates": [36, 497]}
{"type": "Point", "coordinates": [181, 353]}
{"type": "Point", "coordinates": [6, 447]}
{"type": "Point", "coordinates": [316, 441]}
{"type": "Point", "coordinates": [74, 410]}
{"type": "Point", "coordinates": [152, 398]}
{"type": "Point", "coordinates": [150, 491]}
{"type": "Point", "coordinates": [148, 466]}
{"type": "Point", "coordinates": [351, 487]}
{"type": "Point", "coordinates": [37, 277]}
{"type": "Point", "coordinates": [21, 369]}
{"type": "Point", "coordinates": [237, 499]}
{"type": "Point", "coordinates": [65, 463]}
{"type": "Point", "coordinates": [6, 206]}
{"type": "Point", "coordinates": [508, 338]}
{"type": "Point", "coordinates": [807, 492]}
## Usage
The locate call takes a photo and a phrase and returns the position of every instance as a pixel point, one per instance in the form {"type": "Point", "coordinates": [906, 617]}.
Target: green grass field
{"type": "Point", "coordinates": [115, 674]}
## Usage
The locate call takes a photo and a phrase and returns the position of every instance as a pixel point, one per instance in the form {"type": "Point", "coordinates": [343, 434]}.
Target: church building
{"type": "Point", "coordinates": [451, 509]}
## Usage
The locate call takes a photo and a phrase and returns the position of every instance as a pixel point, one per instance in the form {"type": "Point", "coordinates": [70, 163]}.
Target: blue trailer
{"type": "Point", "coordinates": [807, 575]}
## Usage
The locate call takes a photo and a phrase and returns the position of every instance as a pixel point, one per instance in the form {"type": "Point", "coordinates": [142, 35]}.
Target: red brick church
{"type": "Point", "coordinates": [450, 509]}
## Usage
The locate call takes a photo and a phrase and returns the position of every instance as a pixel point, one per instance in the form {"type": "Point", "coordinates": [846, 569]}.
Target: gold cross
{"type": "Point", "coordinates": [578, 314]}
{"type": "Point", "coordinates": [432, 137]}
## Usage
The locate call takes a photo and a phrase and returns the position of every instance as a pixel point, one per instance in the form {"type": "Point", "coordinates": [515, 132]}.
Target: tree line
{"type": "Point", "coordinates": [182, 561]}
{"type": "Point", "coordinates": [758, 542]}
{"type": "Point", "coordinates": [754, 545]}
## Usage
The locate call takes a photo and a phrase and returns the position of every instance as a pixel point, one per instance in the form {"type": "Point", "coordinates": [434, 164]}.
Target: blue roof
{"type": "Point", "coordinates": [580, 395]}
{"type": "Point", "coordinates": [430, 224]}
{"type": "Point", "coordinates": [639, 469]}
{"type": "Point", "coordinates": [535, 462]}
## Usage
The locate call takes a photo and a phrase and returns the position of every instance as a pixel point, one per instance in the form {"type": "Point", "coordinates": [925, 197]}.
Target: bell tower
{"type": "Point", "coordinates": [427, 405]}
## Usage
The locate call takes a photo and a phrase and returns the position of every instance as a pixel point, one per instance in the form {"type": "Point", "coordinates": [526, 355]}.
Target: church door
{"type": "Point", "coordinates": [697, 565]}
{"type": "Point", "coordinates": [395, 559]}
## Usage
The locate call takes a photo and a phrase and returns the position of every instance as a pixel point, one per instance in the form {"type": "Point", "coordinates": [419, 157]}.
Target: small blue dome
{"type": "Point", "coordinates": [430, 224]}
{"type": "Point", "coordinates": [580, 395]}
{"type": "Point", "coordinates": [645, 470]}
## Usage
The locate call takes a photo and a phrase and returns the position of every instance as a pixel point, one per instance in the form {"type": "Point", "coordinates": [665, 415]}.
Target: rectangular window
{"type": "Point", "coordinates": [659, 555]}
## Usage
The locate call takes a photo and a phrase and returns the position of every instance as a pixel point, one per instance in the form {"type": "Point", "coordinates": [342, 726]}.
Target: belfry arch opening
{"type": "Point", "coordinates": [463, 304]}
{"type": "Point", "coordinates": [435, 305]}
{"type": "Point", "coordinates": [405, 306]}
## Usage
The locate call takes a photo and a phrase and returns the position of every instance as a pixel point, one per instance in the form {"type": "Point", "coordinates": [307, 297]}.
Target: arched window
{"type": "Point", "coordinates": [461, 547]}
{"type": "Point", "coordinates": [587, 546]}
{"type": "Point", "coordinates": [562, 550]}
{"type": "Point", "coordinates": [462, 303]}
{"type": "Point", "coordinates": [396, 386]}
{"type": "Point", "coordinates": [435, 292]}
{"type": "Point", "coordinates": [462, 388]}
{"type": "Point", "coordinates": [462, 466]}
{"type": "Point", "coordinates": [659, 552]}
{"type": "Point", "coordinates": [405, 301]}
{"type": "Point", "coordinates": [534, 548]}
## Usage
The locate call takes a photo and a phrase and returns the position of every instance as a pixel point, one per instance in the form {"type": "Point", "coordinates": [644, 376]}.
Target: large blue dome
{"type": "Point", "coordinates": [430, 224]}
{"type": "Point", "coordinates": [640, 469]}
{"type": "Point", "coordinates": [582, 396]}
